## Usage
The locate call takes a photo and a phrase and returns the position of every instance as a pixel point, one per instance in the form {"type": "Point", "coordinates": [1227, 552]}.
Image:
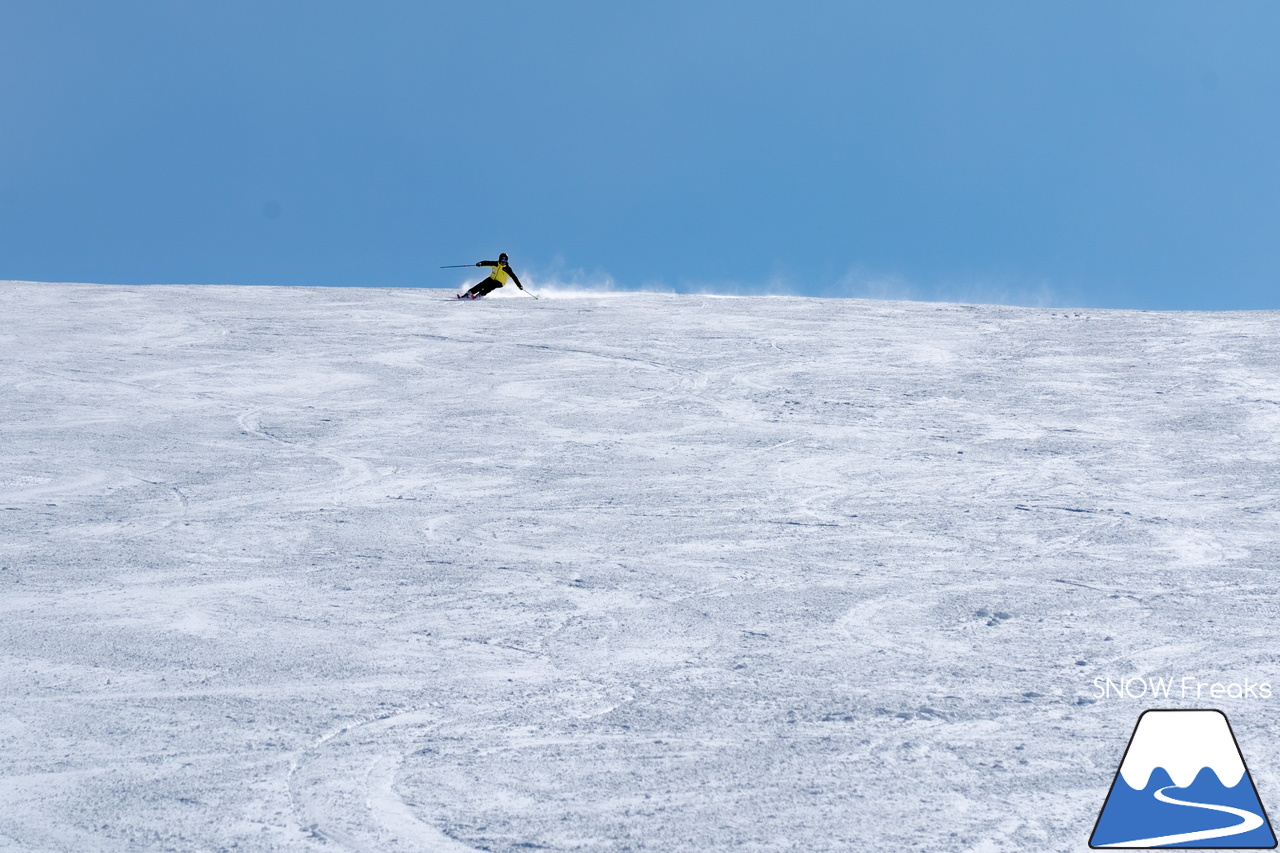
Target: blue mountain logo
{"type": "Point", "coordinates": [1183, 783]}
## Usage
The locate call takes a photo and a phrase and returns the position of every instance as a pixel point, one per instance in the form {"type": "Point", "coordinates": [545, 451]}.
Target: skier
{"type": "Point", "coordinates": [497, 278]}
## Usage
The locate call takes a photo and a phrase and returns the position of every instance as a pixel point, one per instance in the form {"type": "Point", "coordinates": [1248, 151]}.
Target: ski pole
{"type": "Point", "coordinates": [455, 266]}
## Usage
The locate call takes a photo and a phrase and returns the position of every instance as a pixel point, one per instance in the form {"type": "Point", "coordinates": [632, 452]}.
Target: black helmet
{"type": "Point", "coordinates": [502, 258]}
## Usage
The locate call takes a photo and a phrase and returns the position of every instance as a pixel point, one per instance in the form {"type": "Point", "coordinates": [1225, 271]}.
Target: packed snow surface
{"type": "Point", "coordinates": [376, 570]}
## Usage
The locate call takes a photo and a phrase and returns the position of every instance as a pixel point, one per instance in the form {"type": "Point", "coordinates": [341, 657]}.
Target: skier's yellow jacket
{"type": "Point", "coordinates": [501, 272]}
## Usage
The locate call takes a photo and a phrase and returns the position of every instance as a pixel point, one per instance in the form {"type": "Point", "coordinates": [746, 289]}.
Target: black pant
{"type": "Point", "coordinates": [486, 286]}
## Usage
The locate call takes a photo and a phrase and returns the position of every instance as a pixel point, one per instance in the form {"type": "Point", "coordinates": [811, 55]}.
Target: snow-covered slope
{"type": "Point", "coordinates": [296, 569]}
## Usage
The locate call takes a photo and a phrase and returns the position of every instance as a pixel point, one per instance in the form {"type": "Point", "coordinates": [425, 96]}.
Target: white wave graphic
{"type": "Point", "coordinates": [1183, 743]}
{"type": "Point", "coordinates": [1248, 822]}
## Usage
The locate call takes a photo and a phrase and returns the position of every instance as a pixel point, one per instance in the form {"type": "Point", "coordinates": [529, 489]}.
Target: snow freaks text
{"type": "Point", "coordinates": [1187, 687]}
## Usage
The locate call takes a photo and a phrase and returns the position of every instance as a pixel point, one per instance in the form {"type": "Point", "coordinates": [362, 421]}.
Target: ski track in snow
{"type": "Point", "coordinates": [313, 569]}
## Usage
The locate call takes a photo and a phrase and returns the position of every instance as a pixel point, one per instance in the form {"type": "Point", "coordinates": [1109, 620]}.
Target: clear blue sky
{"type": "Point", "coordinates": [1091, 153]}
